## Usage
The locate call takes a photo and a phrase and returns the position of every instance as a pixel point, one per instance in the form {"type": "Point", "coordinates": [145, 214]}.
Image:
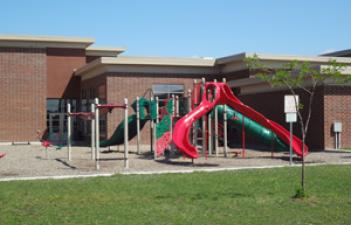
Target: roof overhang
{"type": "Point", "coordinates": [104, 51]}
{"type": "Point", "coordinates": [154, 65]}
{"type": "Point", "coordinates": [225, 65]}
{"type": "Point", "coordinates": [44, 42]}
{"type": "Point", "coordinates": [237, 62]}
{"type": "Point", "coordinates": [338, 53]}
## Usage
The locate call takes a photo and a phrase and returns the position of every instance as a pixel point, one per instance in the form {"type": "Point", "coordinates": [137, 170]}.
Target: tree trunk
{"type": "Point", "coordinates": [303, 164]}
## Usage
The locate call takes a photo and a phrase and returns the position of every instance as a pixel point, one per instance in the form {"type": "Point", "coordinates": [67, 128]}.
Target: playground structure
{"type": "Point", "coordinates": [224, 96]}
{"type": "Point", "coordinates": [212, 113]}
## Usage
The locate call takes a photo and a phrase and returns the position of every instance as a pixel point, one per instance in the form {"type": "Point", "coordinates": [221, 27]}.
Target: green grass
{"type": "Point", "coordinates": [240, 197]}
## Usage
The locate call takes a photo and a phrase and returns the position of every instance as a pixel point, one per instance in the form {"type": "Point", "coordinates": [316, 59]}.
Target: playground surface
{"type": "Point", "coordinates": [30, 161]}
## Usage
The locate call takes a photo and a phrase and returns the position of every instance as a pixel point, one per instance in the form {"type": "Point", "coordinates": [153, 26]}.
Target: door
{"type": "Point", "coordinates": [58, 128]}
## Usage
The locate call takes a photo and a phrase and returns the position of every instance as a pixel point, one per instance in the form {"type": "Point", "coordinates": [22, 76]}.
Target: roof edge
{"type": "Point", "coordinates": [338, 53]}
{"type": "Point", "coordinates": [104, 51]}
{"type": "Point", "coordinates": [44, 41]}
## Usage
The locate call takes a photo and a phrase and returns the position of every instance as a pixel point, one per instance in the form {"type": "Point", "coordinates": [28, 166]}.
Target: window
{"type": "Point", "coordinates": [60, 105]}
{"type": "Point", "coordinates": [164, 91]}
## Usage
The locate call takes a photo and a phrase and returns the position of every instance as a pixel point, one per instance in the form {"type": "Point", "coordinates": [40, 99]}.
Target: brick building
{"type": "Point", "coordinates": [40, 75]}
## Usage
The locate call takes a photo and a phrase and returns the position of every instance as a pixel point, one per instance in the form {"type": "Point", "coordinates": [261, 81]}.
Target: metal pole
{"type": "Point", "coordinates": [337, 140]}
{"type": "Point", "coordinates": [151, 125]}
{"type": "Point", "coordinates": [216, 131]}
{"type": "Point", "coordinates": [172, 115]}
{"type": "Point", "coordinates": [138, 123]}
{"type": "Point", "coordinates": [192, 134]}
{"type": "Point", "coordinates": [189, 100]}
{"type": "Point", "coordinates": [92, 132]}
{"type": "Point", "coordinates": [126, 147]}
{"type": "Point", "coordinates": [225, 131]}
{"type": "Point", "coordinates": [243, 137]}
{"type": "Point", "coordinates": [171, 126]}
{"type": "Point", "coordinates": [194, 124]}
{"type": "Point", "coordinates": [157, 109]}
{"type": "Point", "coordinates": [97, 134]}
{"type": "Point", "coordinates": [155, 130]}
{"type": "Point", "coordinates": [209, 125]}
{"type": "Point", "coordinates": [177, 106]}
{"type": "Point", "coordinates": [291, 139]}
{"type": "Point", "coordinates": [225, 126]}
{"type": "Point", "coordinates": [203, 80]}
{"type": "Point", "coordinates": [69, 130]}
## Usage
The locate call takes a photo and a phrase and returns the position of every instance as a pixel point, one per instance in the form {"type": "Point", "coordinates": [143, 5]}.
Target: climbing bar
{"type": "Point", "coordinates": [110, 106]}
{"type": "Point", "coordinates": [85, 114]}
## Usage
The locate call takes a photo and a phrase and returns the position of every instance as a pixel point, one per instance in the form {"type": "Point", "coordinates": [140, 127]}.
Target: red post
{"type": "Point", "coordinates": [243, 137]}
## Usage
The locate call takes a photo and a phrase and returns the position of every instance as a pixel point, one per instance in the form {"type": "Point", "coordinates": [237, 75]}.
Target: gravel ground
{"type": "Point", "coordinates": [28, 161]}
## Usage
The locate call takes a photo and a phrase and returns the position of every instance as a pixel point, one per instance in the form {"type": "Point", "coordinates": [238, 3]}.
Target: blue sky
{"type": "Point", "coordinates": [188, 27]}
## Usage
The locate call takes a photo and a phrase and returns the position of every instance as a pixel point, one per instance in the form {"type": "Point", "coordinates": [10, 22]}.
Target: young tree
{"type": "Point", "coordinates": [298, 75]}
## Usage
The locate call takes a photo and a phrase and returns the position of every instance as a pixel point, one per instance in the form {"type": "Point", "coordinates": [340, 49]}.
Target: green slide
{"type": "Point", "coordinates": [117, 137]}
{"type": "Point", "coordinates": [257, 136]}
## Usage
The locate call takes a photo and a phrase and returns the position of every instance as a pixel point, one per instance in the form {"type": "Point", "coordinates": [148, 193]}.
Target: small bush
{"type": "Point", "coordinates": [300, 193]}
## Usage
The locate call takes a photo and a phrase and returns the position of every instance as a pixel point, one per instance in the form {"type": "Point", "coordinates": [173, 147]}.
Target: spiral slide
{"type": "Point", "coordinates": [224, 96]}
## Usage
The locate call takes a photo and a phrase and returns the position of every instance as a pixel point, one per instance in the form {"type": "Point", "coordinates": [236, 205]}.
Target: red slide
{"type": "Point", "coordinates": [224, 96]}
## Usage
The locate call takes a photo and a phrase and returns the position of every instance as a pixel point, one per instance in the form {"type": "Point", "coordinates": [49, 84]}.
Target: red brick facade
{"type": "Point", "coordinates": [337, 108]}
{"type": "Point", "coordinates": [271, 104]}
{"type": "Point", "coordinates": [61, 64]}
{"type": "Point", "coordinates": [23, 93]}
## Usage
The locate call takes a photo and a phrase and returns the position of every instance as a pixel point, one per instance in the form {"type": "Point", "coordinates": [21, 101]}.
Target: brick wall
{"type": "Point", "coordinates": [337, 107]}
{"type": "Point", "coordinates": [23, 93]}
{"type": "Point", "coordinates": [271, 105]}
{"type": "Point", "coordinates": [91, 58]}
{"type": "Point", "coordinates": [60, 67]}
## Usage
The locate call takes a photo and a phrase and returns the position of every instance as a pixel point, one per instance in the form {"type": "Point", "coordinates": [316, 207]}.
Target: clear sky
{"type": "Point", "coordinates": [188, 27]}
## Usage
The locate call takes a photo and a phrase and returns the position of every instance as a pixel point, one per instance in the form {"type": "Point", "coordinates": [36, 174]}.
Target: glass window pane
{"type": "Point", "coordinates": [168, 88]}
{"type": "Point", "coordinates": [53, 105]}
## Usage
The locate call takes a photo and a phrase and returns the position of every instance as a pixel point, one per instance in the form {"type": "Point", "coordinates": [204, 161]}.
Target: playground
{"type": "Point", "coordinates": [209, 129]}
{"type": "Point", "coordinates": [254, 164]}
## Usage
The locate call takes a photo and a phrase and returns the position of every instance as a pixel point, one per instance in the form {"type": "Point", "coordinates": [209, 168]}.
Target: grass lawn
{"type": "Point", "coordinates": [239, 197]}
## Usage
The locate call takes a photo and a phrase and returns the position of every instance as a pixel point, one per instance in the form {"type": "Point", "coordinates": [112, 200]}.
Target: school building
{"type": "Point", "coordinates": [39, 75]}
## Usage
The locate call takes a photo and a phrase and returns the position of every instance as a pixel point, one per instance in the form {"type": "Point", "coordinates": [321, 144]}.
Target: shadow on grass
{"type": "Point", "coordinates": [295, 159]}
{"type": "Point", "coordinates": [189, 163]}
{"type": "Point", "coordinates": [203, 196]}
